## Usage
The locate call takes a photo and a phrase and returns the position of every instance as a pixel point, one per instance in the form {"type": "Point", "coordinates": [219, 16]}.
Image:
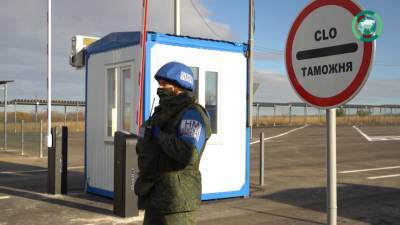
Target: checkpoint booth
{"type": "Point", "coordinates": [113, 65]}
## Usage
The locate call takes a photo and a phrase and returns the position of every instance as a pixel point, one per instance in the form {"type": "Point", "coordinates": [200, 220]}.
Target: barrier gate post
{"type": "Point", "coordinates": [57, 162]}
{"type": "Point", "coordinates": [125, 174]}
{"type": "Point", "coordinates": [53, 166]}
{"type": "Point", "coordinates": [64, 163]}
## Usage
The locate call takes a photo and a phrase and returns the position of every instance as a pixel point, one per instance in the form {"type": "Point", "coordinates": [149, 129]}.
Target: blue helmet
{"type": "Point", "coordinates": [178, 74]}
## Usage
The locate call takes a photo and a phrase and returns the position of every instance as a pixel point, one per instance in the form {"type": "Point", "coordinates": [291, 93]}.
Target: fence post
{"type": "Point", "coordinates": [22, 137]}
{"type": "Point", "coordinates": [319, 115]}
{"type": "Point", "coordinates": [77, 117]}
{"type": "Point", "coordinates": [262, 159]}
{"type": "Point", "coordinates": [274, 115]}
{"type": "Point", "coordinates": [36, 113]}
{"type": "Point", "coordinates": [41, 140]}
{"type": "Point", "coordinates": [258, 115]}
{"type": "Point", "coordinates": [15, 117]}
{"type": "Point", "coordinates": [305, 113]}
{"type": "Point", "coordinates": [373, 116]}
{"type": "Point", "coordinates": [65, 115]}
{"type": "Point", "coordinates": [5, 116]}
{"type": "Point", "coordinates": [385, 115]}
{"type": "Point", "coordinates": [391, 116]}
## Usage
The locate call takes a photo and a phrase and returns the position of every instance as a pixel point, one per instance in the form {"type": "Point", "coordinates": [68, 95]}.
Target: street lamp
{"type": "Point", "coordinates": [4, 82]}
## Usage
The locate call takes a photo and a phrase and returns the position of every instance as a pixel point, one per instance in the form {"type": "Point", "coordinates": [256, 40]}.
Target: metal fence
{"type": "Point", "coordinates": [27, 119]}
{"type": "Point", "coordinates": [36, 105]}
{"type": "Point", "coordinates": [25, 126]}
{"type": "Point", "coordinates": [287, 114]}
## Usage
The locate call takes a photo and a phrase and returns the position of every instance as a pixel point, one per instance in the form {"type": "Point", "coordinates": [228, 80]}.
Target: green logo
{"type": "Point", "coordinates": [367, 26]}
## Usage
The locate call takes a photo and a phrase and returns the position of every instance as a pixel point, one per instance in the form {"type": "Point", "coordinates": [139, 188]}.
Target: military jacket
{"type": "Point", "coordinates": [169, 179]}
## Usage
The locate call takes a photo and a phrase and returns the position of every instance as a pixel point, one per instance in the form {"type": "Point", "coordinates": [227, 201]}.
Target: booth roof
{"type": "Point", "coordinates": [114, 40]}
{"type": "Point", "coordinates": [118, 40]}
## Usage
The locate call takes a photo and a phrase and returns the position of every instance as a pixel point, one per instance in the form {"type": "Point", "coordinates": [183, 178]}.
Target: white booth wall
{"type": "Point", "coordinates": [99, 146]}
{"type": "Point", "coordinates": [223, 162]}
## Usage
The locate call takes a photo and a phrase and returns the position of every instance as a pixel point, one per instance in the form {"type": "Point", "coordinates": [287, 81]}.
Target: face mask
{"type": "Point", "coordinates": [165, 92]}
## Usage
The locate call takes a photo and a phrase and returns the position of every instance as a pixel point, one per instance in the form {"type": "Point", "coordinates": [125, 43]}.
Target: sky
{"type": "Point", "coordinates": [23, 39]}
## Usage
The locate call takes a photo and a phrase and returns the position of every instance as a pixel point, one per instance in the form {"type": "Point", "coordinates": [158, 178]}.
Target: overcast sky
{"type": "Point", "coordinates": [23, 38]}
{"type": "Point", "coordinates": [24, 33]}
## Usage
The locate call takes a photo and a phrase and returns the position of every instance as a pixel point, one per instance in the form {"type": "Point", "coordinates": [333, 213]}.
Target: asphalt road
{"type": "Point", "coordinates": [294, 191]}
{"type": "Point", "coordinates": [295, 180]}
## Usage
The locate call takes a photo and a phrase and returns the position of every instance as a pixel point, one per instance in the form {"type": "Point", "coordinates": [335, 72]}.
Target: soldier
{"type": "Point", "coordinates": [169, 149]}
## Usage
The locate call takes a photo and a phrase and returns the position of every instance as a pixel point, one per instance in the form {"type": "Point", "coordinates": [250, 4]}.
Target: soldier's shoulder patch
{"type": "Point", "coordinates": [191, 124]}
{"type": "Point", "coordinates": [191, 127]}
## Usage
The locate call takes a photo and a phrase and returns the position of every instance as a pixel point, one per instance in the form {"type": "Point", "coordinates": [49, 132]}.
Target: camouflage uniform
{"type": "Point", "coordinates": [169, 183]}
{"type": "Point", "coordinates": [180, 218]}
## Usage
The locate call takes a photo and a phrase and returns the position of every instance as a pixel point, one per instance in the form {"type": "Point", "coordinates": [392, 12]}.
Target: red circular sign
{"type": "Point", "coordinates": [352, 89]}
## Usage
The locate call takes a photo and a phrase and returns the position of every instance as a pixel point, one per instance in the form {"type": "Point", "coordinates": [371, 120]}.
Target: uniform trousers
{"type": "Point", "coordinates": [152, 217]}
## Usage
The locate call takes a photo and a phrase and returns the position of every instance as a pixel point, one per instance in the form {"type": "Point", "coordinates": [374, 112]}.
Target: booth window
{"type": "Point", "coordinates": [127, 93]}
{"type": "Point", "coordinates": [119, 100]}
{"type": "Point", "coordinates": [195, 71]}
{"type": "Point", "coordinates": [111, 102]}
{"type": "Point", "coordinates": [212, 99]}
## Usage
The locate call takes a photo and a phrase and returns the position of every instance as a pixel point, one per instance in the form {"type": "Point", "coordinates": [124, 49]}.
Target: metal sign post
{"type": "Point", "coordinates": [49, 47]}
{"type": "Point", "coordinates": [177, 17]}
{"type": "Point", "coordinates": [5, 116]}
{"type": "Point", "coordinates": [250, 68]}
{"type": "Point", "coordinates": [327, 66]}
{"type": "Point", "coordinates": [331, 166]}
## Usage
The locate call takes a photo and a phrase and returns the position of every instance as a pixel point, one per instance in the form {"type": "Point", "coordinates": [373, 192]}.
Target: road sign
{"type": "Point", "coordinates": [326, 64]}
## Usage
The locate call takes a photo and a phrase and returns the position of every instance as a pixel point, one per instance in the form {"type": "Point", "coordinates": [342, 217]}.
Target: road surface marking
{"type": "Point", "coordinates": [27, 171]}
{"type": "Point", "coordinates": [280, 135]}
{"type": "Point", "coordinates": [385, 176]}
{"type": "Point", "coordinates": [75, 167]}
{"type": "Point", "coordinates": [385, 138]}
{"type": "Point", "coordinates": [4, 197]}
{"type": "Point", "coordinates": [372, 169]}
{"type": "Point", "coordinates": [36, 171]}
{"type": "Point", "coordinates": [362, 133]}
{"type": "Point", "coordinates": [377, 138]}
{"type": "Point", "coordinates": [111, 219]}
